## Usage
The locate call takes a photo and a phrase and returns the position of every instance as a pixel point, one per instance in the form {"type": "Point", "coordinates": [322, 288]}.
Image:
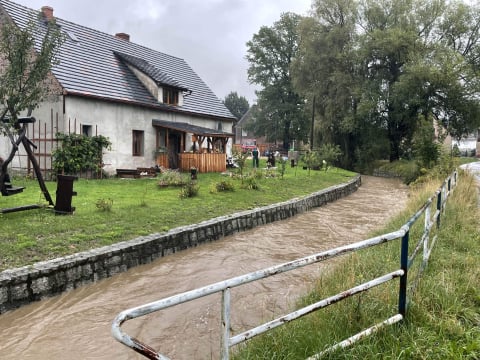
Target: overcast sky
{"type": "Point", "coordinates": [210, 35]}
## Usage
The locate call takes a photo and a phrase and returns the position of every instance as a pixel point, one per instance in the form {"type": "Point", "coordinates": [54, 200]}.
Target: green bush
{"type": "Point", "coordinates": [104, 204]}
{"type": "Point", "coordinates": [79, 153]}
{"type": "Point", "coordinates": [172, 178]}
{"type": "Point", "coordinates": [223, 186]}
{"type": "Point", "coordinates": [190, 189]}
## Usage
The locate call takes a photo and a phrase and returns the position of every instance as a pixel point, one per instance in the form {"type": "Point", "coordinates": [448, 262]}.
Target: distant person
{"type": "Point", "coordinates": [255, 154]}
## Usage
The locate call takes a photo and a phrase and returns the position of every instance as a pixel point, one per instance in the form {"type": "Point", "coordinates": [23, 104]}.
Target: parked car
{"type": "Point", "coordinates": [249, 145]}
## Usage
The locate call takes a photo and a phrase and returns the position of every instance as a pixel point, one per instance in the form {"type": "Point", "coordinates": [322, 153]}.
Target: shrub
{"type": "Point", "coordinates": [104, 204]}
{"type": "Point", "coordinates": [190, 189]}
{"type": "Point", "coordinates": [250, 183]}
{"type": "Point", "coordinates": [223, 186]}
{"type": "Point", "coordinates": [170, 177]}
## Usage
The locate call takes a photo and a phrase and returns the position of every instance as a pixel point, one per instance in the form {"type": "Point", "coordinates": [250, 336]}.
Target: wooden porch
{"type": "Point", "coordinates": [207, 147]}
{"type": "Point", "coordinates": [205, 162]}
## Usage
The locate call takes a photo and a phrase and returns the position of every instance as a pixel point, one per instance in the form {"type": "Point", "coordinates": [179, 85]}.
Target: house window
{"type": "Point", "coordinates": [87, 130]}
{"type": "Point", "coordinates": [219, 126]}
{"type": "Point", "coordinates": [170, 96]}
{"type": "Point", "coordinates": [137, 144]}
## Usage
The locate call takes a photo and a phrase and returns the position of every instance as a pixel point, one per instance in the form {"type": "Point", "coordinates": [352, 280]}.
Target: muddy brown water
{"type": "Point", "coordinates": [76, 325]}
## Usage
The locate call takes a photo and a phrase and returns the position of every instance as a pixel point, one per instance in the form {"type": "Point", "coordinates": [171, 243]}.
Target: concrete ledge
{"type": "Point", "coordinates": [24, 285]}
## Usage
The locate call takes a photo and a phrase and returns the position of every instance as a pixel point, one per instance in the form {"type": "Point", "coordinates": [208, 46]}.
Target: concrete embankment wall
{"type": "Point", "coordinates": [24, 285]}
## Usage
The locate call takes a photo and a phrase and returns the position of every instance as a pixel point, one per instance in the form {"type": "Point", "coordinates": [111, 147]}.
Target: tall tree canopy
{"type": "Point", "coordinates": [238, 105]}
{"type": "Point", "coordinates": [378, 67]}
{"type": "Point", "coordinates": [280, 111]}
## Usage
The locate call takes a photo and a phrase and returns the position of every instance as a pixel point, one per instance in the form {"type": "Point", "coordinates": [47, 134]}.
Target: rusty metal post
{"type": "Point", "coordinates": [402, 294]}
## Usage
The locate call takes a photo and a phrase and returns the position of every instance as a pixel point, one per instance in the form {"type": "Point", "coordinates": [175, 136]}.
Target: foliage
{"type": "Point", "coordinates": [376, 67]}
{"type": "Point", "coordinates": [311, 159]}
{"type": "Point", "coordinates": [238, 105]}
{"type": "Point", "coordinates": [250, 183]}
{"type": "Point", "coordinates": [79, 153]}
{"type": "Point", "coordinates": [104, 204]}
{"type": "Point", "coordinates": [190, 189]}
{"type": "Point", "coordinates": [222, 186]}
{"type": "Point", "coordinates": [329, 153]}
{"type": "Point", "coordinates": [425, 147]}
{"type": "Point", "coordinates": [241, 160]}
{"type": "Point", "coordinates": [280, 110]}
{"type": "Point", "coordinates": [170, 177]}
{"type": "Point", "coordinates": [283, 165]}
{"type": "Point", "coordinates": [29, 54]}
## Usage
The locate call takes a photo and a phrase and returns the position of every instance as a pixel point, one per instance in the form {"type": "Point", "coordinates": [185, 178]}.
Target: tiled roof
{"type": "Point", "coordinates": [156, 74]}
{"type": "Point", "coordinates": [93, 63]}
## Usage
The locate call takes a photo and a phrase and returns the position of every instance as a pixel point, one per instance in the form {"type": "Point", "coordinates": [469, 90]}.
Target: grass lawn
{"type": "Point", "coordinates": [135, 207]}
{"type": "Point", "coordinates": [443, 318]}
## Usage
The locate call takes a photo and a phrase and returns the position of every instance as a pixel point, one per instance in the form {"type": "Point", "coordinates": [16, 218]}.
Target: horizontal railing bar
{"type": "Point", "coordinates": [244, 279]}
{"type": "Point", "coordinates": [351, 340]}
{"type": "Point", "coordinates": [234, 340]}
{"type": "Point", "coordinates": [441, 195]}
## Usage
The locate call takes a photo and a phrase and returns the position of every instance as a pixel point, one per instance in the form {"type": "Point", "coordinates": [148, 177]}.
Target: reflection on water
{"type": "Point", "coordinates": [76, 325]}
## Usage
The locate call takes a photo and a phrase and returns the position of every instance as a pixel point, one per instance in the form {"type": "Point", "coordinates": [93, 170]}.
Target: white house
{"type": "Point", "coordinates": [142, 100]}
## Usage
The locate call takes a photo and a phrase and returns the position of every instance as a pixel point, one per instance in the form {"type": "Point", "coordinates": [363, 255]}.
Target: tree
{"type": "Point", "coordinates": [281, 110]}
{"type": "Point", "coordinates": [377, 67]}
{"type": "Point", "coordinates": [25, 61]}
{"type": "Point", "coordinates": [27, 55]}
{"type": "Point", "coordinates": [238, 105]}
{"type": "Point", "coordinates": [325, 70]}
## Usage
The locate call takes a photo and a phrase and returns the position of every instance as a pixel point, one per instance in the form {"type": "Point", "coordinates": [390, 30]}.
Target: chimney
{"type": "Point", "coordinates": [47, 12]}
{"type": "Point", "coordinates": [123, 36]}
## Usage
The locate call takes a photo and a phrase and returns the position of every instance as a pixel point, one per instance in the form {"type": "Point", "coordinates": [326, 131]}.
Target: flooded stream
{"type": "Point", "coordinates": [76, 325]}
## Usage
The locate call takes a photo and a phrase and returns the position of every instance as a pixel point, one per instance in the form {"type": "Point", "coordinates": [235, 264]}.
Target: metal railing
{"type": "Point", "coordinates": [438, 201]}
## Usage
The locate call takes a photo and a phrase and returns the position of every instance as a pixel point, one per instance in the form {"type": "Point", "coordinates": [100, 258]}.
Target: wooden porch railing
{"type": "Point", "coordinates": [205, 162]}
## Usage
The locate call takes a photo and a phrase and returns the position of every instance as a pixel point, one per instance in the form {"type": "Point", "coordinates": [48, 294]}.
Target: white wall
{"type": "Point", "coordinates": [117, 121]}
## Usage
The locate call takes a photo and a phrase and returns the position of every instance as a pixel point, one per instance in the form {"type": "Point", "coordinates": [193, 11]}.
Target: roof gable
{"type": "Point", "coordinates": [93, 63]}
{"type": "Point", "coordinates": [160, 77]}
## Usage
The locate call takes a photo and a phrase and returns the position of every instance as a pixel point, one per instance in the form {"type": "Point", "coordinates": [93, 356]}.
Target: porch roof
{"type": "Point", "coordinates": [193, 129]}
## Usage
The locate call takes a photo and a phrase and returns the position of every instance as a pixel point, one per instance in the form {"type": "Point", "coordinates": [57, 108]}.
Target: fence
{"type": "Point", "coordinates": [42, 134]}
{"type": "Point", "coordinates": [431, 211]}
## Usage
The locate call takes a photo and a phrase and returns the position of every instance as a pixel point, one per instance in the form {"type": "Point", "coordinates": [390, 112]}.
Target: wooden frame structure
{"type": "Point", "coordinates": [213, 158]}
{"type": "Point", "coordinates": [5, 187]}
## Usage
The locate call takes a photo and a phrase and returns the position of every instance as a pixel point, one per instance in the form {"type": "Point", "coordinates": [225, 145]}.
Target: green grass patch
{"type": "Point", "coordinates": [443, 319]}
{"type": "Point", "coordinates": [113, 210]}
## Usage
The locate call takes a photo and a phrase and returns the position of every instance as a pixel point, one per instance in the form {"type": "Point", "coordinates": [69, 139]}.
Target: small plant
{"type": "Point", "coordinates": [170, 177]}
{"type": "Point", "coordinates": [104, 204]}
{"type": "Point", "coordinates": [189, 190]}
{"type": "Point", "coordinates": [223, 186]}
{"type": "Point", "coordinates": [283, 164]}
{"type": "Point", "coordinates": [250, 183]}
{"type": "Point", "coordinates": [240, 159]}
